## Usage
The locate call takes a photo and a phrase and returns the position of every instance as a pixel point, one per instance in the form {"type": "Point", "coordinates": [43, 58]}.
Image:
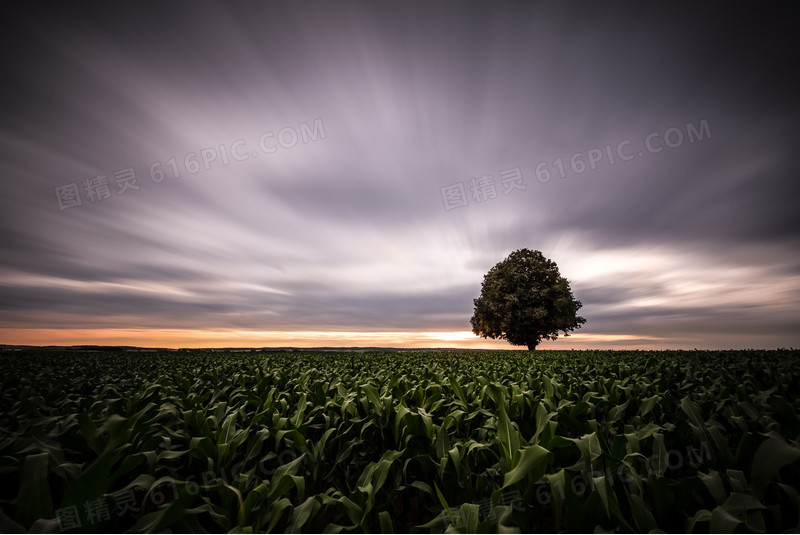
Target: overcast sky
{"type": "Point", "coordinates": [346, 174]}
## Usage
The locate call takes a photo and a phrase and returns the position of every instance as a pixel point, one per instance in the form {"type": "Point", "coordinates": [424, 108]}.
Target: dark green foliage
{"type": "Point", "coordinates": [524, 299]}
{"type": "Point", "coordinates": [404, 442]}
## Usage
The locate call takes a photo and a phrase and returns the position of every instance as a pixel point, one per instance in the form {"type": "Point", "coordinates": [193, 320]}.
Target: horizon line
{"type": "Point", "coordinates": [396, 340]}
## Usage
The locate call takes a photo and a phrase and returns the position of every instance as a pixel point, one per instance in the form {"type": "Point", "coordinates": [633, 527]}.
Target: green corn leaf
{"type": "Point", "coordinates": [715, 485]}
{"type": "Point", "coordinates": [442, 444]}
{"type": "Point", "coordinates": [642, 516]}
{"type": "Point", "coordinates": [695, 417]}
{"type": "Point", "coordinates": [353, 511]}
{"type": "Point", "coordinates": [659, 459]}
{"type": "Point", "coordinates": [532, 462]}
{"type": "Point", "coordinates": [722, 521]}
{"type": "Point", "coordinates": [599, 484]}
{"type": "Point", "coordinates": [276, 512]}
{"type": "Point", "coordinates": [34, 500]}
{"type": "Point", "coordinates": [92, 483]}
{"type": "Point", "coordinates": [648, 404]}
{"type": "Point", "coordinates": [469, 517]}
{"type": "Point", "coordinates": [282, 479]}
{"type": "Point", "coordinates": [772, 455]}
{"type": "Point", "coordinates": [302, 513]}
{"type": "Point", "coordinates": [507, 435]}
{"type": "Point", "coordinates": [542, 418]}
{"type": "Point", "coordinates": [589, 446]}
{"type": "Point", "coordinates": [703, 515]}
{"type": "Point", "coordinates": [385, 522]}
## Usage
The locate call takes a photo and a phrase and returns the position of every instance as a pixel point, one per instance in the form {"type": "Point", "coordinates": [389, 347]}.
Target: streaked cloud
{"type": "Point", "coordinates": [345, 231]}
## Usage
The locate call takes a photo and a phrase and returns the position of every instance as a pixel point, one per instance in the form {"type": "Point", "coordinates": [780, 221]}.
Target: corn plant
{"type": "Point", "coordinates": [407, 441]}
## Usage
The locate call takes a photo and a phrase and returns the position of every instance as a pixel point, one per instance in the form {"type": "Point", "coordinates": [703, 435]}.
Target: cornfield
{"type": "Point", "coordinates": [410, 441]}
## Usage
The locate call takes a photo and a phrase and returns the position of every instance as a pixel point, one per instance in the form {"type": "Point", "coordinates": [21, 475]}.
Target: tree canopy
{"type": "Point", "coordinates": [524, 299]}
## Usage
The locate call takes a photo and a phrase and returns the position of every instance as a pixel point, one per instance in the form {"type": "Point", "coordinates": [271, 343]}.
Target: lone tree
{"type": "Point", "coordinates": [523, 300]}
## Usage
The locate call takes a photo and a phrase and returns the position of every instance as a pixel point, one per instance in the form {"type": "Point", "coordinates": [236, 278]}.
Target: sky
{"type": "Point", "coordinates": [272, 174]}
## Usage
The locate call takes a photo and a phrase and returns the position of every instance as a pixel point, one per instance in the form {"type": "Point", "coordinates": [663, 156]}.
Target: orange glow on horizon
{"type": "Point", "coordinates": [189, 338]}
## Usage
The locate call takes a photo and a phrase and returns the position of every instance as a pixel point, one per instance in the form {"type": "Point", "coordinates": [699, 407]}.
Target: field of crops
{"type": "Point", "coordinates": [403, 441]}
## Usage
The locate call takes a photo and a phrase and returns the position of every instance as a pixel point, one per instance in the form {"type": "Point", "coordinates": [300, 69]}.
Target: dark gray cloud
{"type": "Point", "coordinates": [341, 224]}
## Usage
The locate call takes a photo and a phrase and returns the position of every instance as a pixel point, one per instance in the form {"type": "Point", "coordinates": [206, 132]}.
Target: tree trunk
{"type": "Point", "coordinates": [532, 346]}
